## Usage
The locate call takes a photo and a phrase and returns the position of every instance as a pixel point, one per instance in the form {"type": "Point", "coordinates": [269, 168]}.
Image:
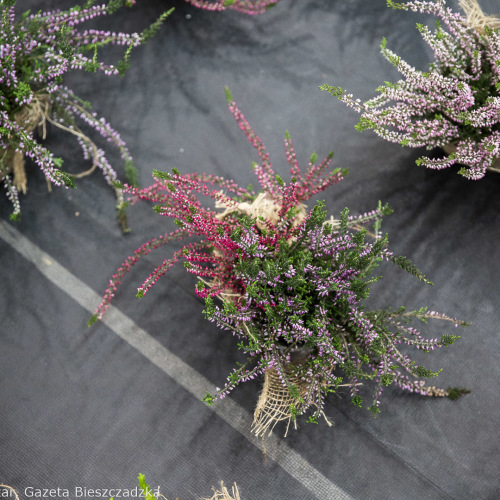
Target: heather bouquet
{"type": "Point", "coordinates": [455, 104]}
{"type": "Point", "coordinates": [289, 283]}
{"type": "Point", "coordinates": [37, 50]}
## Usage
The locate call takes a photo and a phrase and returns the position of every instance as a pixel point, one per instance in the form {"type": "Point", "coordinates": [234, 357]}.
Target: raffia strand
{"type": "Point", "coordinates": [224, 494]}
{"type": "Point", "coordinates": [476, 18]}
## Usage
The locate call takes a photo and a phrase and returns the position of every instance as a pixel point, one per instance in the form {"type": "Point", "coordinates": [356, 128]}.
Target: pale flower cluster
{"type": "Point", "coordinates": [456, 102]}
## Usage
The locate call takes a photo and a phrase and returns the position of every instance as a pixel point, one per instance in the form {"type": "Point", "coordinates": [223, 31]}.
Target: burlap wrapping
{"type": "Point", "coordinates": [274, 403]}
{"type": "Point", "coordinates": [35, 114]}
{"type": "Point", "coordinates": [263, 207]}
{"type": "Point", "coordinates": [476, 18]}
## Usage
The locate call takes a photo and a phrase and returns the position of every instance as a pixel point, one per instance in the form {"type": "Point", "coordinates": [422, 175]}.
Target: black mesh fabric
{"type": "Point", "coordinates": [83, 408]}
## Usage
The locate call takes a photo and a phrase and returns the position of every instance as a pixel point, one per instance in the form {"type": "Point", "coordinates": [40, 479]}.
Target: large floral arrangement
{"type": "Point", "coordinates": [455, 104]}
{"type": "Point", "coordinates": [36, 51]}
{"type": "Point", "coordinates": [289, 283]}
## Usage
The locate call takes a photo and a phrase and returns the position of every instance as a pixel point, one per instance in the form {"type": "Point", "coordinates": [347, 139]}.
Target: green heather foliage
{"type": "Point", "coordinates": [147, 491]}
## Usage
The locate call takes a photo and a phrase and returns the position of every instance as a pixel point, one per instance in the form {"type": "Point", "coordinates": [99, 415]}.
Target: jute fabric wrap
{"type": "Point", "coordinates": [274, 403]}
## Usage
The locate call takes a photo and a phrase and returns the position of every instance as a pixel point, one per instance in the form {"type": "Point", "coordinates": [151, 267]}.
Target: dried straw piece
{"type": "Point", "coordinates": [11, 489]}
{"type": "Point", "coordinates": [476, 18]}
{"type": "Point", "coordinates": [20, 180]}
{"type": "Point", "coordinates": [223, 493]}
{"type": "Point", "coordinates": [263, 207]}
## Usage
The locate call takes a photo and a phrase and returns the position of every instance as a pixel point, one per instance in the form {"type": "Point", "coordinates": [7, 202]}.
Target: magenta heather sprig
{"type": "Point", "coordinates": [250, 7]}
{"type": "Point", "coordinates": [286, 281]}
{"type": "Point", "coordinates": [457, 102]}
{"type": "Point", "coordinates": [36, 51]}
{"type": "Point", "coordinates": [177, 195]}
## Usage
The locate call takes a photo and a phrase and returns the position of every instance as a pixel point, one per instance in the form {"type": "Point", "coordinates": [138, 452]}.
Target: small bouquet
{"type": "Point", "coordinates": [36, 51]}
{"type": "Point", "coordinates": [455, 104]}
{"type": "Point", "coordinates": [289, 283]}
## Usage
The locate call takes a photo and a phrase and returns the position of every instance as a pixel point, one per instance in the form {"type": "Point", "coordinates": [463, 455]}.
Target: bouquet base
{"type": "Point", "coordinates": [275, 403]}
